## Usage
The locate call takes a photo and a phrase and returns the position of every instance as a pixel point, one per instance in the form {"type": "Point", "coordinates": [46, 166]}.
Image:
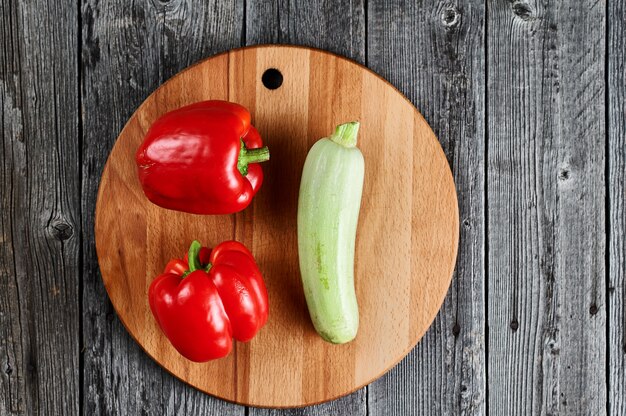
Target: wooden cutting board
{"type": "Point", "coordinates": [406, 242]}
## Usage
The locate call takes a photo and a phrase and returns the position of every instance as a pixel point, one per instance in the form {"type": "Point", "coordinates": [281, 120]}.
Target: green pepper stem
{"type": "Point", "coordinates": [247, 156]}
{"type": "Point", "coordinates": [193, 256]}
{"type": "Point", "coordinates": [259, 155]}
{"type": "Point", "coordinates": [346, 134]}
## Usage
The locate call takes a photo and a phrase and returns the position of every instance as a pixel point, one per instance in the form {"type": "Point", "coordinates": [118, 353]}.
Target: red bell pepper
{"type": "Point", "coordinates": [202, 159]}
{"type": "Point", "coordinates": [202, 303]}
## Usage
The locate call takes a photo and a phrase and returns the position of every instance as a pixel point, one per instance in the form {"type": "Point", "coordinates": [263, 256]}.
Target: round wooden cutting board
{"type": "Point", "coordinates": [406, 242]}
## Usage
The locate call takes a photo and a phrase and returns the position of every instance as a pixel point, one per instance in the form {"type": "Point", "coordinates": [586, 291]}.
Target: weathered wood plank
{"type": "Point", "coordinates": [546, 206]}
{"type": "Point", "coordinates": [433, 52]}
{"type": "Point", "coordinates": [351, 405]}
{"type": "Point", "coordinates": [617, 205]}
{"type": "Point", "coordinates": [39, 209]}
{"type": "Point", "coordinates": [336, 27]}
{"type": "Point", "coordinates": [128, 49]}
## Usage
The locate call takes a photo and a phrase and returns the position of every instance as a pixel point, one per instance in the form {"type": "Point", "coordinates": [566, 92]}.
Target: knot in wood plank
{"type": "Point", "coordinates": [90, 52]}
{"type": "Point", "coordinates": [553, 347]}
{"type": "Point", "coordinates": [523, 10]}
{"type": "Point", "coordinates": [60, 229]}
{"type": "Point", "coordinates": [456, 329]}
{"type": "Point", "coordinates": [451, 17]}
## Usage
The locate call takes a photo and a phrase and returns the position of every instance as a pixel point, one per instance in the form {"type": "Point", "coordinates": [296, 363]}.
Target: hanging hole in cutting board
{"type": "Point", "coordinates": [272, 79]}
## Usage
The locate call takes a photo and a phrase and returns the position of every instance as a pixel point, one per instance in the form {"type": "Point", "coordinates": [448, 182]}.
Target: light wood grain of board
{"type": "Point", "coordinates": [547, 311]}
{"type": "Point", "coordinates": [445, 78]}
{"type": "Point", "coordinates": [338, 27]}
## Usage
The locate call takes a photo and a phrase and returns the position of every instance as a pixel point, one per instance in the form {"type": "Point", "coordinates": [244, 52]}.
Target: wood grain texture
{"type": "Point", "coordinates": [402, 274]}
{"type": "Point", "coordinates": [546, 201]}
{"type": "Point", "coordinates": [617, 207]}
{"type": "Point", "coordinates": [128, 49]}
{"type": "Point", "coordinates": [351, 405]}
{"type": "Point", "coordinates": [336, 26]}
{"type": "Point", "coordinates": [39, 209]}
{"type": "Point", "coordinates": [445, 78]}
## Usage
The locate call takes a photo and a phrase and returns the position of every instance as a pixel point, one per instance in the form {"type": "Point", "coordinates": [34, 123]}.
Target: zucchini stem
{"type": "Point", "coordinates": [346, 134]}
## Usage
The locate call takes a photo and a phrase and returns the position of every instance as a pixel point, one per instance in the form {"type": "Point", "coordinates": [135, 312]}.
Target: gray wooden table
{"type": "Point", "coordinates": [528, 100]}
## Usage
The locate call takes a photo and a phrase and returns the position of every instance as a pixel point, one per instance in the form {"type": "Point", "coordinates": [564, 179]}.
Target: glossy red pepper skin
{"type": "Point", "coordinates": [202, 312]}
{"type": "Point", "coordinates": [192, 159]}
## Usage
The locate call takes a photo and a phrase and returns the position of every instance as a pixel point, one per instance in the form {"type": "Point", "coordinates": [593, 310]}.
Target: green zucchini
{"type": "Point", "coordinates": [328, 213]}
